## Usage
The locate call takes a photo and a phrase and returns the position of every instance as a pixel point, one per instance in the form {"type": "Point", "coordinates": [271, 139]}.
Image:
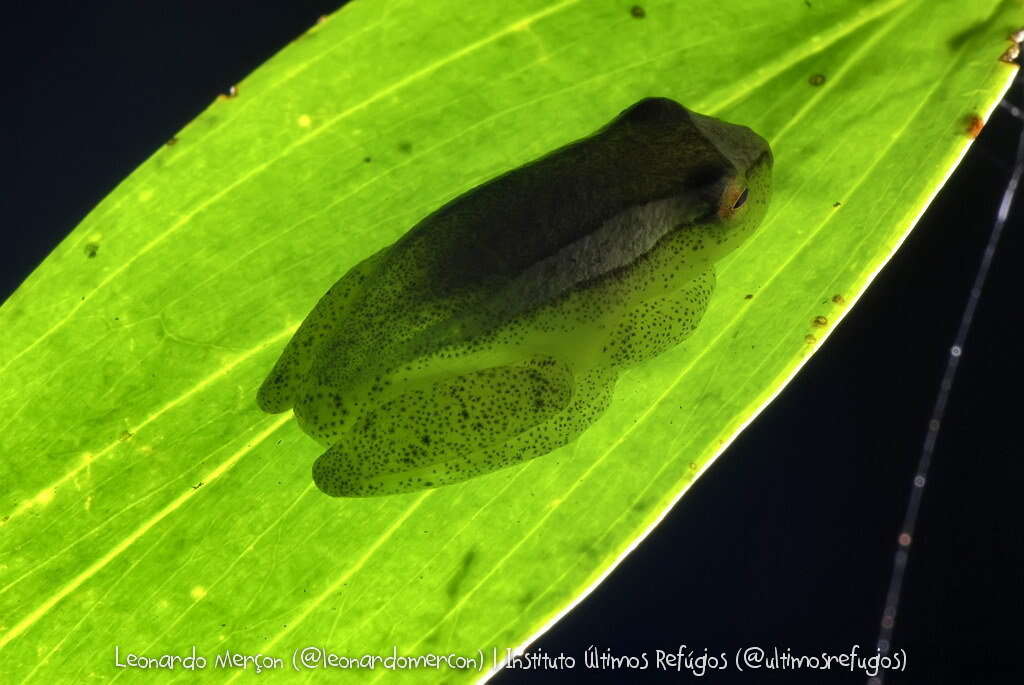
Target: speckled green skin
{"type": "Point", "coordinates": [494, 330]}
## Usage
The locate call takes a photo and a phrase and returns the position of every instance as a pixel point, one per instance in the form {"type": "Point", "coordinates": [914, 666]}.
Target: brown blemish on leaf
{"type": "Point", "coordinates": [91, 249]}
{"type": "Point", "coordinates": [974, 124]}
{"type": "Point", "coordinates": [817, 80]}
{"type": "Point", "coordinates": [819, 321]}
{"type": "Point", "coordinates": [810, 339]}
{"type": "Point", "coordinates": [230, 95]}
{"type": "Point", "coordinates": [316, 24]}
{"type": "Point", "coordinates": [637, 12]}
{"type": "Point", "coordinates": [405, 147]}
{"type": "Point", "coordinates": [1013, 52]}
{"type": "Point", "coordinates": [748, 296]}
{"type": "Point", "coordinates": [838, 299]}
{"type": "Point", "coordinates": [836, 204]}
{"type": "Point", "coordinates": [125, 435]}
{"type": "Point", "coordinates": [172, 141]}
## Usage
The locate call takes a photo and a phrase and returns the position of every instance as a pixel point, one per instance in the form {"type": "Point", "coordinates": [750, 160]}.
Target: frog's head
{"type": "Point", "coordinates": [739, 195]}
{"type": "Point", "coordinates": [719, 173]}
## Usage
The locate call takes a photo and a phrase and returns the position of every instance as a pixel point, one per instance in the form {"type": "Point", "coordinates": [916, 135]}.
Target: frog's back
{"type": "Point", "coordinates": [498, 230]}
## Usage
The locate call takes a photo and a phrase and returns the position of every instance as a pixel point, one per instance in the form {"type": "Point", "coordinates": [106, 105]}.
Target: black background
{"type": "Point", "coordinates": [787, 541]}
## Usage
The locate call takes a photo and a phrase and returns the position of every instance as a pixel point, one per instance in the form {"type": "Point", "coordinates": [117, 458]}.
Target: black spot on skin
{"type": "Point", "coordinates": [91, 249]}
{"type": "Point", "coordinates": [637, 12]}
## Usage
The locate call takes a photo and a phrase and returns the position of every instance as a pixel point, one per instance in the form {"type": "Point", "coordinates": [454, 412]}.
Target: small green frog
{"type": "Point", "coordinates": [494, 330]}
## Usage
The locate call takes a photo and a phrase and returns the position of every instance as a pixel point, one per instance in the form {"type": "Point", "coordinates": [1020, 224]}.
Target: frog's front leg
{"type": "Point", "coordinates": [438, 435]}
{"type": "Point", "coordinates": [661, 323]}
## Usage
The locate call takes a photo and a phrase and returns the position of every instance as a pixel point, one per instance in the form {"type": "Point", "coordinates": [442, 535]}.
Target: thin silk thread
{"type": "Point", "coordinates": [956, 351]}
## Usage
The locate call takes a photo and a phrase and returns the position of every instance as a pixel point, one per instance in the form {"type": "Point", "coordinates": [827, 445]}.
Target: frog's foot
{"type": "Point", "coordinates": [438, 435]}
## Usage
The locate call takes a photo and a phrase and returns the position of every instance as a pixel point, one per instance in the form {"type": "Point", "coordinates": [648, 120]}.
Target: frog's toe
{"type": "Point", "coordinates": [336, 476]}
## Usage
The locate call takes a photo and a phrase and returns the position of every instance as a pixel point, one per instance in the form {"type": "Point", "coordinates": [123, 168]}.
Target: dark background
{"type": "Point", "coordinates": [796, 557]}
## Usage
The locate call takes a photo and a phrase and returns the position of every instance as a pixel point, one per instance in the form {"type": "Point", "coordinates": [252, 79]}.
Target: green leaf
{"type": "Point", "coordinates": [147, 498]}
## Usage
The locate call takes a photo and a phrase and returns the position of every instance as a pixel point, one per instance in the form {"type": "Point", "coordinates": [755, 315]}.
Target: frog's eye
{"type": "Point", "coordinates": [741, 200]}
{"type": "Point", "coordinates": [731, 200]}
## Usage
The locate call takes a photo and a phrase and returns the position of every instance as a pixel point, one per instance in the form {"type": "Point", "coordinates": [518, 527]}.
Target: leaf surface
{"type": "Point", "coordinates": [148, 501]}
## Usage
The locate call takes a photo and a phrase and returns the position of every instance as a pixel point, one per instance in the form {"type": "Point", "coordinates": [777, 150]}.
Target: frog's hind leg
{"type": "Point", "coordinates": [593, 394]}
{"type": "Point", "coordinates": [441, 434]}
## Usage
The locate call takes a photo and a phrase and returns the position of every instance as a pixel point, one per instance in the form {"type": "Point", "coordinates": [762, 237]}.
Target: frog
{"type": "Point", "coordinates": [494, 331]}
